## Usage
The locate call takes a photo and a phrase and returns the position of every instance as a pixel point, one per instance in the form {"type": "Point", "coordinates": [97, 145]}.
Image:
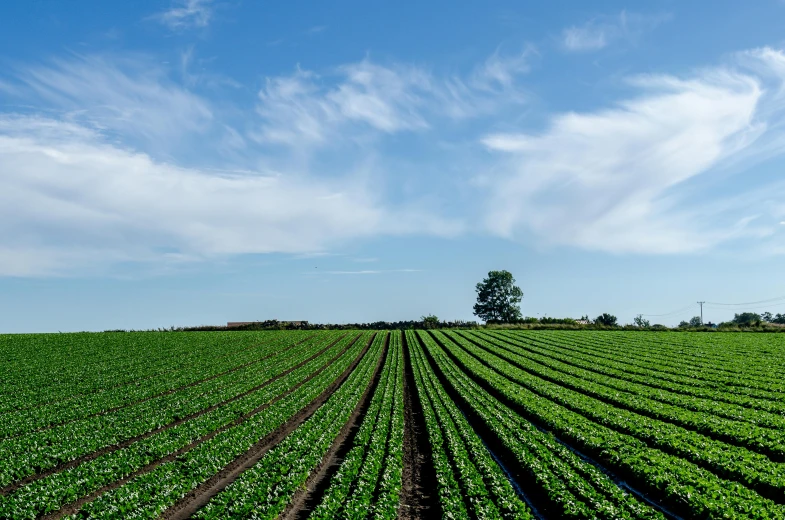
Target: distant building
{"type": "Point", "coordinates": [583, 322]}
{"type": "Point", "coordinates": [235, 324]}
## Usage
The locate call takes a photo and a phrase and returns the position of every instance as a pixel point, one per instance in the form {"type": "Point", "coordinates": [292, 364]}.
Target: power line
{"type": "Point", "coordinates": [766, 306]}
{"type": "Point", "coordinates": [771, 300]}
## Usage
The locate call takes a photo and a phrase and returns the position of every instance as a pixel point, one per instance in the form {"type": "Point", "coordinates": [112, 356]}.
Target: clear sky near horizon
{"type": "Point", "coordinates": [195, 162]}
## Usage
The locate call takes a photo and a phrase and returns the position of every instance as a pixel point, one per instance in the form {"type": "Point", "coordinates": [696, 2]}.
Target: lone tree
{"type": "Point", "coordinates": [498, 298]}
{"type": "Point", "coordinates": [606, 320]}
{"type": "Point", "coordinates": [641, 322]}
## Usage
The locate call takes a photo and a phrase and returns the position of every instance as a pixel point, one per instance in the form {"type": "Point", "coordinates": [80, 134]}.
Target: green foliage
{"type": "Point", "coordinates": [557, 321]}
{"type": "Point", "coordinates": [129, 424]}
{"type": "Point", "coordinates": [695, 321]}
{"type": "Point", "coordinates": [747, 319]}
{"type": "Point", "coordinates": [606, 320]}
{"type": "Point", "coordinates": [498, 298]}
{"type": "Point", "coordinates": [641, 322]}
{"type": "Point", "coordinates": [430, 321]}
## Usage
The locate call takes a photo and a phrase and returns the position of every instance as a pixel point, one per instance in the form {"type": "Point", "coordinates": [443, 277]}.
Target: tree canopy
{"type": "Point", "coordinates": [641, 322]}
{"type": "Point", "coordinates": [498, 298]}
{"type": "Point", "coordinates": [606, 320]}
{"type": "Point", "coordinates": [747, 319]}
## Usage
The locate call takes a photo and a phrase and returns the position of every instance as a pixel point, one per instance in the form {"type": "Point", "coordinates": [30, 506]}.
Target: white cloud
{"type": "Point", "coordinates": [72, 201]}
{"type": "Point", "coordinates": [305, 109]}
{"type": "Point", "coordinates": [601, 31]}
{"type": "Point", "coordinates": [586, 38]}
{"type": "Point", "coordinates": [186, 14]}
{"type": "Point", "coordinates": [297, 110]}
{"type": "Point", "coordinates": [617, 179]}
{"type": "Point", "coordinates": [500, 70]}
{"type": "Point", "coordinates": [369, 271]}
{"type": "Point", "coordinates": [127, 96]}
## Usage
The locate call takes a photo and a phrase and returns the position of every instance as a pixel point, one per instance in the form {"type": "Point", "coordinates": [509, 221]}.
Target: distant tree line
{"type": "Point", "coordinates": [426, 322]}
{"type": "Point", "coordinates": [498, 305]}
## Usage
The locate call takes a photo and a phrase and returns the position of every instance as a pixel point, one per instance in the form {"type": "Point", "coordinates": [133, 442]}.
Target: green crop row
{"type": "Point", "coordinates": [265, 490]}
{"type": "Point", "coordinates": [30, 454]}
{"type": "Point", "coordinates": [684, 487]}
{"type": "Point", "coordinates": [351, 490]}
{"type": "Point", "coordinates": [754, 430]}
{"type": "Point", "coordinates": [573, 355]}
{"type": "Point", "coordinates": [573, 487]}
{"type": "Point", "coordinates": [78, 365]}
{"type": "Point", "coordinates": [150, 494]}
{"type": "Point", "coordinates": [62, 412]}
{"type": "Point", "coordinates": [388, 487]}
{"type": "Point", "coordinates": [726, 460]}
{"type": "Point", "coordinates": [478, 484]}
{"type": "Point", "coordinates": [54, 491]}
{"type": "Point", "coordinates": [716, 365]}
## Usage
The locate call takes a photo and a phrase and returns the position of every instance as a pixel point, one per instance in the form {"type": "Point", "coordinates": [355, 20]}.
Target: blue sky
{"type": "Point", "coordinates": [194, 162]}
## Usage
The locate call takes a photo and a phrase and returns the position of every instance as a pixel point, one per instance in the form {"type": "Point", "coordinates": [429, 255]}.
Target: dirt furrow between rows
{"type": "Point", "coordinates": [419, 494]}
{"type": "Point", "coordinates": [90, 456]}
{"type": "Point", "coordinates": [200, 496]}
{"type": "Point", "coordinates": [309, 496]}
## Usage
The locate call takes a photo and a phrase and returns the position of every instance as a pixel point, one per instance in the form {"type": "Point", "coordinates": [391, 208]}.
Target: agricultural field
{"type": "Point", "coordinates": [480, 423]}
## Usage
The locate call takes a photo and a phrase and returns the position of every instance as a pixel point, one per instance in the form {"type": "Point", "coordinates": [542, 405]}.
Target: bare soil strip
{"type": "Point", "coordinates": [200, 496]}
{"type": "Point", "coordinates": [419, 494]}
{"type": "Point", "coordinates": [309, 496]}
{"type": "Point", "coordinates": [510, 461]}
{"type": "Point", "coordinates": [167, 392]}
{"type": "Point", "coordinates": [94, 455]}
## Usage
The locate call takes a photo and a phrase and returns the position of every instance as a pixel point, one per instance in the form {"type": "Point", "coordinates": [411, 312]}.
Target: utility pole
{"type": "Point", "coordinates": [701, 304]}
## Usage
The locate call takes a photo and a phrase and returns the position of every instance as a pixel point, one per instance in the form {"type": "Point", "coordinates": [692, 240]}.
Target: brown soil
{"type": "Point", "coordinates": [109, 449]}
{"type": "Point", "coordinates": [196, 499]}
{"type": "Point", "coordinates": [419, 495]}
{"type": "Point", "coordinates": [161, 394]}
{"type": "Point", "coordinates": [309, 496]}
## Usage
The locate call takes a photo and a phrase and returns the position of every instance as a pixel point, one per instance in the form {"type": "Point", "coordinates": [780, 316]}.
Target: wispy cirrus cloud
{"type": "Point", "coordinates": [371, 271]}
{"type": "Point", "coordinates": [298, 109]}
{"type": "Point", "coordinates": [122, 95]}
{"type": "Point", "coordinates": [305, 108]}
{"type": "Point", "coordinates": [316, 29]}
{"type": "Point", "coordinates": [186, 14]}
{"type": "Point", "coordinates": [626, 178]}
{"type": "Point", "coordinates": [601, 31]}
